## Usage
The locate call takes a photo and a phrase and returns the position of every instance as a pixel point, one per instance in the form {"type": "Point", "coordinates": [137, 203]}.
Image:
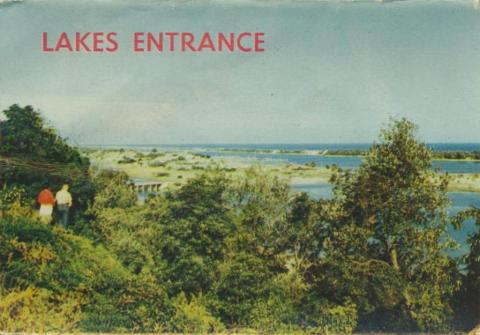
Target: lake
{"type": "Point", "coordinates": [349, 162]}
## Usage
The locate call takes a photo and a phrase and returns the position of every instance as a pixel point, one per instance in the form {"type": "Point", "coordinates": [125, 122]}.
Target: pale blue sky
{"type": "Point", "coordinates": [333, 71]}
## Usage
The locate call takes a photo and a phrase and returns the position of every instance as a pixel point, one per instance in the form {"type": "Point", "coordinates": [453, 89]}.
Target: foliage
{"type": "Point", "coordinates": [335, 320]}
{"type": "Point", "coordinates": [192, 226]}
{"type": "Point", "coordinates": [468, 303]}
{"type": "Point", "coordinates": [387, 247]}
{"type": "Point", "coordinates": [193, 317]}
{"type": "Point", "coordinates": [14, 201]}
{"type": "Point", "coordinates": [32, 154]}
{"type": "Point", "coordinates": [39, 256]}
{"type": "Point", "coordinates": [38, 310]}
{"type": "Point", "coordinates": [235, 252]}
{"type": "Point", "coordinates": [275, 315]}
{"type": "Point", "coordinates": [243, 280]}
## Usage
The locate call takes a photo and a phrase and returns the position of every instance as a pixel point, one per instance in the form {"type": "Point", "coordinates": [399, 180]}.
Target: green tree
{"type": "Point", "coordinates": [244, 279]}
{"type": "Point", "coordinates": [193, 224]}
{"type": "Point", "coordinates": [468, 304]}
{"type": "Point", "coordinates": [32, 154]}
{"type": "Point", "coordinates": [387, 249]}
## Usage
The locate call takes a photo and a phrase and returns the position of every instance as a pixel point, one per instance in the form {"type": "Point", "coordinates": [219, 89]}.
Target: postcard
{"type": "Point", "coordinates": [240, 166]}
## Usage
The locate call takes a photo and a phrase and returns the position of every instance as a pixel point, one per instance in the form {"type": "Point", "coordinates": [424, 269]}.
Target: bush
{"type": "Point", "coordinates": [14, 201]}
{"type": "Point", "coordinates": [244, 280]}
{"type": "Point", "coordinates": [336, 320]}
{"type": "Point", "coordinates": [126, 160]}
{"type": "Point", "coordinates": [37, 310]}
{"type": "Point", "coordinates": [193, 317]}
{"type": "Point", "coordinates": [275, 314]}
{"type": "Point", "coordinates": [46, 257]}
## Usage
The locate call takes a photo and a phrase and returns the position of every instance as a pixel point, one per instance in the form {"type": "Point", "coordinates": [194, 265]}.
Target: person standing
{"type": "Point", "coordinates": [64, 202]}
{"type": "Point", "coordinates": [46, 201]}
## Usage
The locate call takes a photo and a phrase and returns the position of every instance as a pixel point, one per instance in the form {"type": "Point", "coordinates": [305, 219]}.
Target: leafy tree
{"type": "Point", "coordinates": [32, 154]}
{"type": "Point", "coordinates": [387, 249]}
{"type": "Point", "coordinates": [262, 204]}
{"type": "Point", "coordinates": [112, 190]}
{"type": "Point", "coordinates": [468, 304]}
{"type": "Point", "coordinates": [193, 224]}
{"type": "Point", "coordinates": [244, 279]}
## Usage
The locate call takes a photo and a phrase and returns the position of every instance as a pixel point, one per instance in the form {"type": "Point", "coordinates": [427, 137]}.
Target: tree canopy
{"type": "Point", "coordinates": [32, 154]}
{"type": "Point", "coordinates": [225, 251]}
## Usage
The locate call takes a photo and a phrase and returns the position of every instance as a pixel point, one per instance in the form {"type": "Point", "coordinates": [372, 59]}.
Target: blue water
{"type": "Point", "coordinates": [462, 200]}
{"type": "Point", "coordinates": [309, 146]}
{"type": "Point", "coordinates": [350, 162]}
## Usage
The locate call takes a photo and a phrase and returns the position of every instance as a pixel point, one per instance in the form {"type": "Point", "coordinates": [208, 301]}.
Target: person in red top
{"type": "Point", "coordinates": [46, 201]}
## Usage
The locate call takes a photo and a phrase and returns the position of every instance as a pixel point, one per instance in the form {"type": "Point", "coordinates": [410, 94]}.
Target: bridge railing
{"type": "Point", "coordinates": [146, 187]}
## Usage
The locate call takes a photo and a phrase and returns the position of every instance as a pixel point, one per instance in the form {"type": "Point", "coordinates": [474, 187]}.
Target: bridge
{"type": "Point", "coordinates": [146, 186]}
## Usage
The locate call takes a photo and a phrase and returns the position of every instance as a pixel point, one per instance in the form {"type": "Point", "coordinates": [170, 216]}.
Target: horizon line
{"type": "Point", "coordinates": [256, 143]}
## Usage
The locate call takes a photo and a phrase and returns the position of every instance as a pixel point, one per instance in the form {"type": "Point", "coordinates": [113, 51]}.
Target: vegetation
{"type": "Point", "coordinates": [32, 154]}
{"type": "Point", "coordinates": [395, 207]}
{"type": "Point", "coordinates": [231, 252]}
{"type": "Point", "coordinates": [439, 154]}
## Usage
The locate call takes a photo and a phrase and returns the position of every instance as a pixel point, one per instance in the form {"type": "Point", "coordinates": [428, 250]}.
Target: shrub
{"type": "Point", "coordinates": [14, 201]}
{"type": "Point", "coordinates": [275, 314]}
{"type": "Point", "coordinates": [113, 190]}
{"type": "Point", "coordinates": [336, 320]}
{"type": "Point", "coordinates": [126, 160]}
{"type": "Point", "coordinates": [37, 310]}
{"type": "Point", "coordinates": [244, 280]}
{"type": "Point", "coordinates": [193, 317]}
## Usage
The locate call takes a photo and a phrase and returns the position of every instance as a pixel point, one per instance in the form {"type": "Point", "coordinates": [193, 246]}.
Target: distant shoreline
{"type": "Point", "coordinates": [174, 168]}
{"type": "Point", "coordinates": [438, 155]}
{"type": "Point", "coordinates": [473, 156]}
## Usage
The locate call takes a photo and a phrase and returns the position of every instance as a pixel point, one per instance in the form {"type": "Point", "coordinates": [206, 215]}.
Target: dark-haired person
{"type": "Point", "coordinates": [46, 200]}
